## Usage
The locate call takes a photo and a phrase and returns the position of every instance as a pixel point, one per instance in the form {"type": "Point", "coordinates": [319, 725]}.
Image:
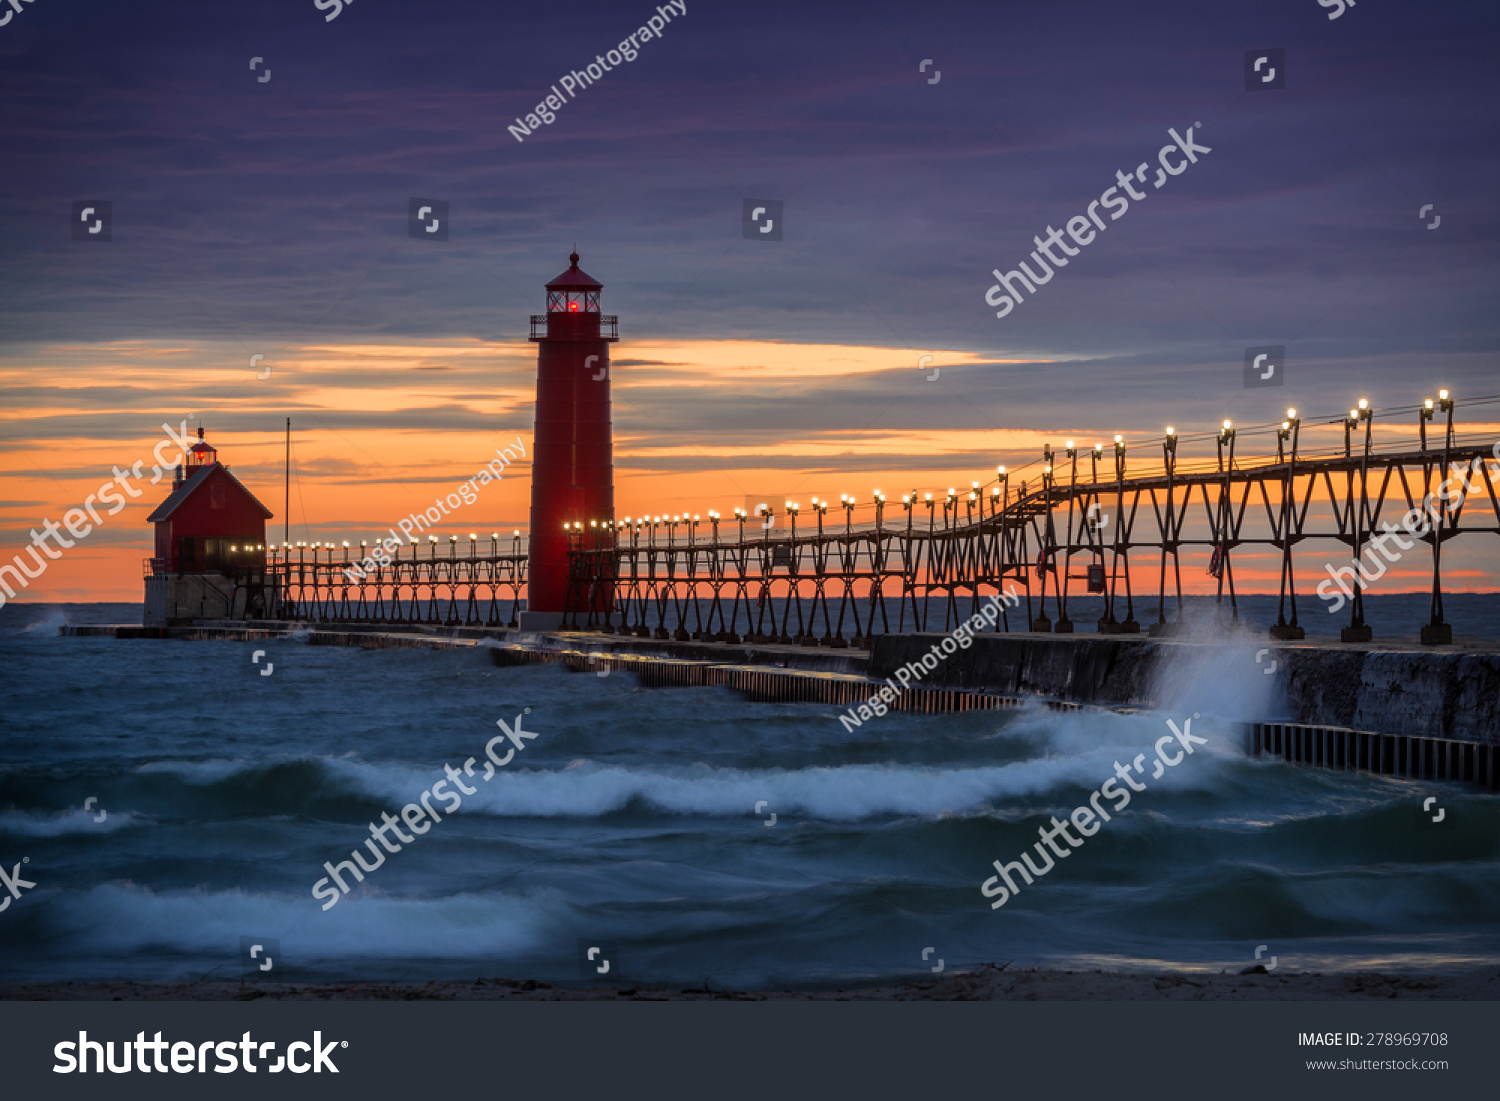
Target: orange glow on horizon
{"type": "Point", "coordinates": [381, 429]}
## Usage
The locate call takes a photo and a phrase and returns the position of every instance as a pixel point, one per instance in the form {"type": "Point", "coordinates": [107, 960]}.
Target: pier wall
{"type": "Point", "coordinates": [1383, 754]}
{"type": "Point", "coordinates": [1392, 688]}
{"type": "Point", "coordinates": [1420, 692]}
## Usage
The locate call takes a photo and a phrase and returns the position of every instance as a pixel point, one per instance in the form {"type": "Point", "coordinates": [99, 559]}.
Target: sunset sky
{"type": "Point", "coordinates": [270, 218]}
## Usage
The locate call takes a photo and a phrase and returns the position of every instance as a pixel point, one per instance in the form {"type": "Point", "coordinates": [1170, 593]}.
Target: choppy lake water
{"type": "Point", "coordinates": [630, 821]}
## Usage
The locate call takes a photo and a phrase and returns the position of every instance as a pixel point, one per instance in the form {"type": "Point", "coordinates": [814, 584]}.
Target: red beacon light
{"type": "Point", "coordinates": [201, 454]}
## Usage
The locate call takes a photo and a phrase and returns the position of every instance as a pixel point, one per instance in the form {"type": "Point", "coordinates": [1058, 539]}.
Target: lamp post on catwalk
{"type": "Point", "coordinates": [572, 474]}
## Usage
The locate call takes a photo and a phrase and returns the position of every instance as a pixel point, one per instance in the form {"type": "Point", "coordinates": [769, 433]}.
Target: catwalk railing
{"type": "Point", "coordinates": [434, 584]}
{"type": "Point", "coordinates": [811, 576]}
{"type": "Point", "coordinates": [835, 582]}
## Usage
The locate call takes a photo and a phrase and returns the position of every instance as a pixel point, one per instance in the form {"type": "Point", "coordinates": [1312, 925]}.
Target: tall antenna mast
{"type": "Point", "coordinates": [286, 508]}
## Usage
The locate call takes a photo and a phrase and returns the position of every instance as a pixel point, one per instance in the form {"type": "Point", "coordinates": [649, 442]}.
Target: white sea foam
{"type": "Point", "coordinates": [845, 793]}
{"type": "Point", "coordinates": [1080, 749]}
{"type": "Point", "coordinates": [49, 623]}
{"type": "Point", "coordinates": [199, 772]}
{"type": "Point", "coordinates": [20, 823]}
{"type": "Point", "coordinates": [127, 919]}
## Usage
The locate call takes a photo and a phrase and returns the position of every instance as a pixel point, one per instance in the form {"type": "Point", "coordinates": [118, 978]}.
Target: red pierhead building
{"type": "Point", "coordinates": [210, 547]}
{"type": "Point", "coordinates": [572, 473]}
{"type": "Point", "coordinates": [210, 521]}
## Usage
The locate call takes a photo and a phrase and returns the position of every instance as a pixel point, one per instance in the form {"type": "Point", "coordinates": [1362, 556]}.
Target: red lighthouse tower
{"type": "Point", "coordinates": [572, 473]}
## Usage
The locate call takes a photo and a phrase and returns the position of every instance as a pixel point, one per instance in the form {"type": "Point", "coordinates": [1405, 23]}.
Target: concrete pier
{"type": "Point", "coordinates": [758, 681]}
{"type": "Point", "coordinates": [1389, 708]}
{"type": "Point", "coordinates": [1392, 687]}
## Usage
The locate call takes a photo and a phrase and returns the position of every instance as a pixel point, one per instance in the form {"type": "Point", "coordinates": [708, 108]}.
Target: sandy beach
{"type": "Point", "coordinates": [982, 984]}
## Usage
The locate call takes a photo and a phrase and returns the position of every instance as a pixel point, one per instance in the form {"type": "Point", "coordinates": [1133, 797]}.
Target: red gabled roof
{"type": "Point", "coordinates": [188, 488]}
